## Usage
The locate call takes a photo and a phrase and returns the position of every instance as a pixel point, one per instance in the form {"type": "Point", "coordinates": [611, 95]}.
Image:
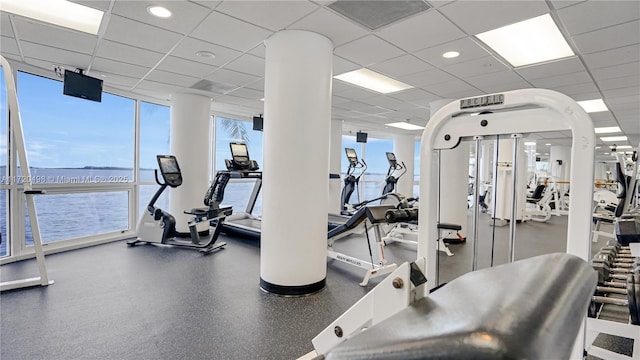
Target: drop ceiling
{"type": "Point", "coordinates": [137, 53]}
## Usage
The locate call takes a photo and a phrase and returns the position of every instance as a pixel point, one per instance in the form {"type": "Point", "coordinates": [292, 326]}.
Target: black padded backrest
{"type": "Point", "coordinates": [529, 309]}
{"type": "Point", "coordinates": [537, 193]}
{"type": "Point", "coordinates": [621, 194]}
{"type": "Point", "coordinates": [355, 220]}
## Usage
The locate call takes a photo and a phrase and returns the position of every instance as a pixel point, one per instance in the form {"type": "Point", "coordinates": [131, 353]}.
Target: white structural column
{"type": "Point", "coordinates": [503, 183]}
{"type": "Point", "coordinates": [293, 249]}
{"type": "Point", "coordinates": [404, 147]}
{"type": "Point", "coordinates": [454, 183]}
{"type": "Point", "coordinates": [190, 121]}
{"type": "Point", "coordinates": [335, 155]}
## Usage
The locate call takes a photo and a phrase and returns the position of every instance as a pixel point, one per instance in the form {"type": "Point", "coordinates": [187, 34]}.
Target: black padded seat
{"type": "Point", "coordinates": [529, 309]}
{"type": "Point", "coordinates": [537, 194]}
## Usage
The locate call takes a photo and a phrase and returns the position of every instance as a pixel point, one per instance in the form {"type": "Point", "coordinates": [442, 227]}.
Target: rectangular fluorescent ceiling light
{"type": "Point", "coordinates": [373, 81]}
{"type": "Point", "coordinates": [528, 42]}
{"type": "Point", "coordinates": [530, 143]}
{"type": "Point", "coordinates": [607, 130]}
{"type": "Point", "coordinates": [405, 126]}
{"type": "Point", "coordinates": [57, 12]}
{"type": "Point", "coordinates": [624, 147]}
{"type": "Point", "coordinates": [595, 105]}
{"type": "Point", "coordinates": [614, 138]}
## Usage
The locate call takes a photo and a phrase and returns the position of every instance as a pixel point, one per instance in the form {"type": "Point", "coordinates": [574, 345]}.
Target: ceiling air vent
{"type": "Point", "coordinates": [376, 14]}
{"type": "Point", "coordinates": [214, 87]}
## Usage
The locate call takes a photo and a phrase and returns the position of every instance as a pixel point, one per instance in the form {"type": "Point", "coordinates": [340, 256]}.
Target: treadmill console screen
{"type": "Point", "coordinates": [170, 170]}
{"type": "Point", "coordinates": [351, 156]}
{"type": "Point", "coordinates": [240, 156]}
{"type": "Point", "coordinates": [391, 157]}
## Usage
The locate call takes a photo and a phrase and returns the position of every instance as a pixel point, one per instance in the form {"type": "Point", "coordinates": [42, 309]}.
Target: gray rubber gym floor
{"type": "Point", "coordinates": [156, 302]}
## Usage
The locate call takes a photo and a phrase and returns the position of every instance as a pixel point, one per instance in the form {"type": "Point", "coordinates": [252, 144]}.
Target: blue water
{"type": "Point", "coordinates": [69, 216]}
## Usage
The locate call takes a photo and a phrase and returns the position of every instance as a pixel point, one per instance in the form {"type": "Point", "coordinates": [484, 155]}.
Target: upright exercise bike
{"type": "Point", "coordinates": [159, 226]}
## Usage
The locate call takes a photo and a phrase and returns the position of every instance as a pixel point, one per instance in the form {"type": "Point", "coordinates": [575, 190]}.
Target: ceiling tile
{"type": "Point", "coordinates": [9, 45]}
{"type": "Point", "coordinates": [593, 15]}
{"type": "Point", "coordinates": [432, 27]}
{"type": "Point", "coordinates": [559, 67]}
{"type": "Point", "coordinates": [330, 25]}
{"type": "Point", "coordinates": [211, 4]}
{"type": "Point", "coordinates": [248, 64]}
{"type": "Point", "coordinates": [259, 51]}
{"type": "Point", "coordinates": [243, 37]}
{"type": "Point", "coordinates": [185, 67]}
{"type": "Point", "coordinates": [129, 32]}
{"type": "Point", "coordinates": [494, 14]}
{"type": "Point", "coordinates": [273, 15]}
{"type": "Point", "coordinates": [129, 54]}
{"type": "Point", "coordinates": [429, 77]}
{"type": "Point", "coordinates": [452, 89]}
{"type": "Point", "coordinates": [387, 102]}
{"type": "Point", "coordinates": [497, 82]}
{"type": "Point", "coordinates": [609, 38]}
{"type": "Point", "coordinates": [402, 65]}
{"type": "Point", "coordinates": [562, 80]}
{"type": "Point", "coordinates": [185, 15]}
{"type": "Point", "coordinates": [190, 46]}
{"type": "Point", "coordinates": [341, 65]}
{"type": "Point", "coordinates": [54, 36]}
{"type": "Point", "coordinates": [351, 91]}
{"type": "Point", "coordinates": [96, 4]}
{"type": "Point", "coordinates": [630, 69]}
{"type": "Point", "coordinates": [256, 85]}
{"type": "Point", "coordinates": [576, 90]}
{"type": "Point", "coordinates": [625, 54]}
{"type": "Point", "coordinates": [5, 25]}
{"type": "Point", "coordinates": [166, 77]}
{"type": "Point", "coordinates": [117, 67]}
{"type": "Point", "coordinates": [559, 4]}
{"type": "Point", "coordinates": [475, 67]}
{"type": "Point", "coordinates": [468, 48]}
{"type": "Point", "coordinates": [622, 92]}
{"type": "Point", "coordinates": [368, 50]}
{"type": "Point", "coordinates": [248, 93]}
{"type": "Point", "coordinates": [411, 94]}
{"type": "Point", "coordinates": [55, 56]}
{"type": "Point", "coordinates": [231, 77]}
{"type": "Point", "coordinates": [619, 83]}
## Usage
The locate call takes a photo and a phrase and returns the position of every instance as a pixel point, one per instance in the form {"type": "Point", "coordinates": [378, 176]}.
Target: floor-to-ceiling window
{"type": "Point", "coordinates": [226, 131]}
{"type": "Point", "coordinates": [155, 128]}
{"type": "Point", "coordinates": [81, 153]}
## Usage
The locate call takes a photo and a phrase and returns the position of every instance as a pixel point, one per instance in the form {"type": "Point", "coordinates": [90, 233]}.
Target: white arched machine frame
{"type": "Point", "coordinates": [513, 114]}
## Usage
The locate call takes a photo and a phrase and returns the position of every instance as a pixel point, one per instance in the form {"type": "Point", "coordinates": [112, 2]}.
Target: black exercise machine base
{"type": "Point", "coordinates": [297, 290]}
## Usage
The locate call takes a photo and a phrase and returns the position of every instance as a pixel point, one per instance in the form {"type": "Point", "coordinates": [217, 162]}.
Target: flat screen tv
{"type": "Point", "coordinates": [361, 137]}
{"type": "Point", "coordinates": [258, 123]}
{"type": "Point", "coordinates": [82, 86]}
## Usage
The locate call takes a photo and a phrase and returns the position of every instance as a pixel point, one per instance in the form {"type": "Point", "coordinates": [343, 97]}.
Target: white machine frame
{"type": "Point", "coordinates": [15, 123]}
{"type": "Point", "coordinates": [512, 113]}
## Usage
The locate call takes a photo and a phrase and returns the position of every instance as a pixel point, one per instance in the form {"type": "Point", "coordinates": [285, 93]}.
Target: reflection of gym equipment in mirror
{"type": "Point", "coordinates": [500, 116]}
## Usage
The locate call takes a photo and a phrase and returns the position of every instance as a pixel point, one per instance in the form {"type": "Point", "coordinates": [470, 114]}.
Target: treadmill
{"type": "Point", "coordinates": [244, 223]}
{"type": "Point", "coordinates": [242, 167]}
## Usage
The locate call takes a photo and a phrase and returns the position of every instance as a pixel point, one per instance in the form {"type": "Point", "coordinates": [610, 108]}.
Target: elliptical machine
{"type": "Point", "coordinates": [350, 180]}
{"type": "Point", "coordinates": [391, 179]}
{"type": "Point", "coordinates": [159, 226]}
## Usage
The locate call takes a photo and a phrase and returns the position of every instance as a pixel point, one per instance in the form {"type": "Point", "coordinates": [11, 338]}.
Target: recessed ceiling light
{"type": "Point", "coordinates": [546, 153]}
{"type": "Point", "coordinates": [607, 130]}
{"type": "Point", "coordinates": [159, 11]}
{"type": "Point", "coordinates": [598, 147]}
{"type": "Point", "coordinates": [450, 54]}
{"type": "Point", "coordinates": [405, 126]}
{"type": "Point", "coordinates": [547, 144]}
{"type": "Point", "coordinates": [58, 12]}
{"type": "Point", "coordinates": [373, 81]}
{"type": "Point", "coordinates": [528, 42]}
{"type": "Point", "coordinates": [595, 105]}
{"type": "Point", "coordinates": [624, 147]}
{"type": "Point", "coordinates": [614, 138]}
{"type": "Point", "coordinates": [206, 54]}
{"type": "Point", "coordinates": [530, 143]}
{"type": "Point", "coordinates": [606, 153]}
